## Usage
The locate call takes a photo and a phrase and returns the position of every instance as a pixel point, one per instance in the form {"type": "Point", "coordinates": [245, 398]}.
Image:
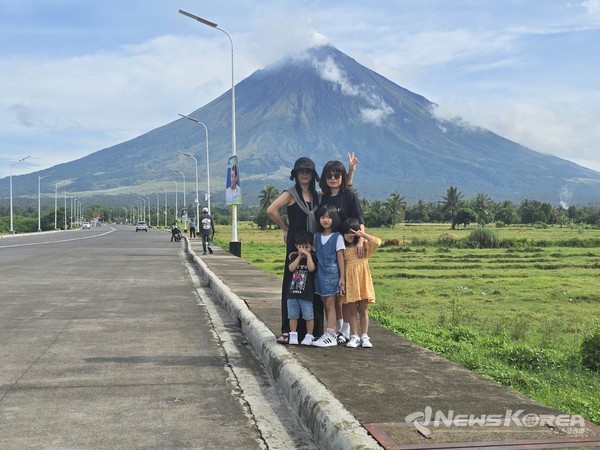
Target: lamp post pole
{"type": "Point", "coordinates": [11, 196]}
{"type": "Point", "coordinates": [148, 198]}
{"type": "Point", "coordinates": [235, 247]}
{"type": "Point", "coordinates": [207, 160]}
{"type": "Point", "coordinates": [184, 203]}
{"type": "Point", "coordinates": [197, 201]}
{"type": "Point", "coordinates": [176, 194]}
{"type": "Point", "coordinates": [157, 208]}
{"type": "Point", "coordinates": [40, 203]}
{"type": "Point", "coordinates": [66, 224]}
{"type": "Point", "coordinates": [166, 209]}
{"type": "Point", "coordinates": [56, 206]}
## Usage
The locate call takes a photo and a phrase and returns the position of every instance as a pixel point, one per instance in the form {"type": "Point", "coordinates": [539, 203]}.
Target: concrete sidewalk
{"type": "Point", "coordinates": [360, 398]}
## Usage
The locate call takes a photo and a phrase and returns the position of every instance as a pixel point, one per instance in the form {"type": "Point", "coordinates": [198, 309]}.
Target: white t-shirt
{"type": "Point", "coordinates": [339, 245]}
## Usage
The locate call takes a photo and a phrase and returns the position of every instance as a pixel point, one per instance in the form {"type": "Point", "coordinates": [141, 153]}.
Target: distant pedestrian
{"type": "Point", "coordinates": [192, 229]}
{"type": "Point", "coordinates": [330, 277]}
{"type": "Point", "coordinates": [359, 284]}
{"type": "Point", "coordinates": [301, 289]}
{"type": "Point", "coordinates": [207, 229]}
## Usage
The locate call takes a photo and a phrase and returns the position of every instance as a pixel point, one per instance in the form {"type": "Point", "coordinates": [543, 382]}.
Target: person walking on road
{"type": "Point", "coordinates": [192, 229]}
{"type": "Point", "coordinates": [207, 229]}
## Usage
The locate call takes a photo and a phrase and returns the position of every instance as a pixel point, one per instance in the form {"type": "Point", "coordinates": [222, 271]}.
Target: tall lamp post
{"type": "Point", "coordinates": [197, 201]}
{"type": "Point", "coordinates": [184, 203]}
{"type": "Point", "coordinates": [11, 201]}
{"type": "Point", "coordinates": [207, 160]}
{"type": "Point", "coordinates": [176, 194]}
{"type": "Point", "coordinates": [157, 208]}
{"type": "Point", "coordinates": [56, 206]}
{"type": "Point", "coordinates": [235, 247]}
{"type": "Point", "coordinates": [40, 202]}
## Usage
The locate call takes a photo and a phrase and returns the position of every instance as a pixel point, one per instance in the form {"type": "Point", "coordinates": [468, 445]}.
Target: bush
{"type": "Point", "coordinates": [483, 238]}
{"type": "Point", "coordinates": [590, 351]}
{"type": "Point", "coordinates": [447, 240]}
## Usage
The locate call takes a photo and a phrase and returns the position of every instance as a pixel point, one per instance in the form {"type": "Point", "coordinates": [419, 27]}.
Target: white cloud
{"type": "Point", "coordinates": [377, 108]}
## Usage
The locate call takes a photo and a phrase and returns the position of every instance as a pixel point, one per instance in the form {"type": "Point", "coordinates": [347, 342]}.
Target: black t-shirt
{"type": "Point", "coordinates": [302, 282]}
{"type": "Point", "coordinates": [347, 204]}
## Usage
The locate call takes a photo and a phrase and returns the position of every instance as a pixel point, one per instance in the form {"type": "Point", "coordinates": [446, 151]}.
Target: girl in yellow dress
{"type": "Point", "coordinates": [359, 284]}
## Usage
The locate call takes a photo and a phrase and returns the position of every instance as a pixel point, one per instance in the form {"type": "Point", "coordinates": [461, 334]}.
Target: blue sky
{"type": "Point", "coordinates": [79, 76]}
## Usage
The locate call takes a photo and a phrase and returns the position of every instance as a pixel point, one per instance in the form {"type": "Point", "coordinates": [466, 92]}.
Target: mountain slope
{"type": "Point", "coordinates": [323, 104]}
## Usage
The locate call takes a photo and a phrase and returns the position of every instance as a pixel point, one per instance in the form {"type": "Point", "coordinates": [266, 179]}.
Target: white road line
{"type": "Point", "coordinates": [60, 240]}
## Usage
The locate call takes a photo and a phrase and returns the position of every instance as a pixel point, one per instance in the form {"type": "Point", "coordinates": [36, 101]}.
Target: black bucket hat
{"type": "Point", "coordinates": [304, 163]}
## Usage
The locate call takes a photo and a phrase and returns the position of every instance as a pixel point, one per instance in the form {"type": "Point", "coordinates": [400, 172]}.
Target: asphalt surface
{"type": "Point", "coordinates": [367, 398]}
{"type": "Point", "coordinates": [106, 341]}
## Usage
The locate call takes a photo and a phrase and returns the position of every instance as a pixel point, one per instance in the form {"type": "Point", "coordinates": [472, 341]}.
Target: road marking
{"type": "Point", "coordinates": [60, 240]}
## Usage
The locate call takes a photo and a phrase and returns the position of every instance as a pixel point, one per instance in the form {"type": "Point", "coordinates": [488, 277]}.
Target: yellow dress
{"type": "Point", "coordinates": [359, 284]}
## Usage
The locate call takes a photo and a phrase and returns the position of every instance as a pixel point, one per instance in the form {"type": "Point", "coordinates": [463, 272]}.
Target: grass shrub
{"type": "Point", "coordinates": [590, 351]}
{"type": "Point", "coordinates": [483, 238]}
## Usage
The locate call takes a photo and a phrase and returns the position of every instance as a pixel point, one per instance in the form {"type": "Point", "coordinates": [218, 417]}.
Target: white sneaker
{"type": "Point", "coordinates": [365, 342]}
{"type": "Point", "coordinates": [353, 342]}
{"type": "Point", "coordinates": [327, 340]}
{"type": "Point", "coordinates": [308, 340]}
{"type": "Point", "coordinates": [293, 338]}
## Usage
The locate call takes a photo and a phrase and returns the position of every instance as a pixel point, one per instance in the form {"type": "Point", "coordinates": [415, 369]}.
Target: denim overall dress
{"type": "Point", "coordinates": [328, 273]}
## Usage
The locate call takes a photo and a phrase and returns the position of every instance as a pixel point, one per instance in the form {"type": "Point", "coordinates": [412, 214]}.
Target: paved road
{"type": "Point", "coordinates": [107, 341]}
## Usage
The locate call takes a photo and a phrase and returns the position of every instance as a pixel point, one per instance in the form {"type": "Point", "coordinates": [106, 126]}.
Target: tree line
{"type": "Point", "coordinates": [454, 208]}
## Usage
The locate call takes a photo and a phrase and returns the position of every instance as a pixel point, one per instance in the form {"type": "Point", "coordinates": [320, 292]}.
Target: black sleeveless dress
{"type": "Point", "coordinates": [297, 222]}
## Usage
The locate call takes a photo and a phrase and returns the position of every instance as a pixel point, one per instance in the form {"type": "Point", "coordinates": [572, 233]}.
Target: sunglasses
{"type": "Point", "coordinates": [305, 171]}
{"type": "Point", "coordinates": [332, 175]}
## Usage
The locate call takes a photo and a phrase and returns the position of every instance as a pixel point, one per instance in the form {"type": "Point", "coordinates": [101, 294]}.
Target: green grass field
{"type": "Point", "coordinates": [517, 315]}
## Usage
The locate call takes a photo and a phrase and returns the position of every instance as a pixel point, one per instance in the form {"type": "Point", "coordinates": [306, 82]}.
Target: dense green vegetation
{"type": "Point", "coordinates": [524, 312]}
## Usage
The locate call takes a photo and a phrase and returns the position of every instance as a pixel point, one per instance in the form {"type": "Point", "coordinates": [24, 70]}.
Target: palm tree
{"type": "Point", "coordinates": [451, 202]}
{"type": "Point", "coordinates": [483, 205]}
{"type": "Point", "coordinates": [397, 207]}
{"type": "Point", "coordinates": [267, 196]}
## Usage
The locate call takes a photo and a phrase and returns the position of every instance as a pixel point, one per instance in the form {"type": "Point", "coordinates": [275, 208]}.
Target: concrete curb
{"type": "Point", "coordinates": [331, 424]}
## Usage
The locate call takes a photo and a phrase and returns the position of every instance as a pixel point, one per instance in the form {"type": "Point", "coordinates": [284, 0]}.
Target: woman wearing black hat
{"type": "Point", "coordinates": [301, 200]}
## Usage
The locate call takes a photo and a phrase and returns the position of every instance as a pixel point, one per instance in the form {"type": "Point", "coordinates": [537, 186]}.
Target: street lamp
{"type": "Point", "coordinates": [66, 224]}
{"type": "Point", "coordinates": [166, 193]}
{"type": "Point", "coordinates": [207, 160]}
{"type": "Point", "coordinates": [197, 201]}
{"type": "Point", "coordinates": [235, 247]}
{"type": "Point", "coordinates": [148, 198]}
{"type": "Point", "coordinates": [56, 206]}
{"type": "Point", "coordinates": [11, 201]}
{"type": "Point", "coordinates": [39, 202]}
{"type": "Point", "coordinates": [184, 202]}
{"type": "Point", "coordinates": [157, 208]}
{"type": "Point", "coordinates": [176, 194]}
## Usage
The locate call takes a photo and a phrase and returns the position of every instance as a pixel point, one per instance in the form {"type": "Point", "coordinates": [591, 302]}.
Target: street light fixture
{"type": "Point", "coordinates": [197, 201]}
{"type": "Point", "coordinates": [11, 196]}
{"type": "Point", "coordinates": [207, 159]}
{"type": "Point", "coordinates": [235, 247]}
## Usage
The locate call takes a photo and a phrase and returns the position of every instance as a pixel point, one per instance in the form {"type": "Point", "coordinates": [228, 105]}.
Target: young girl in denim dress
{"type": "Point", "coordinates": [330, 275]}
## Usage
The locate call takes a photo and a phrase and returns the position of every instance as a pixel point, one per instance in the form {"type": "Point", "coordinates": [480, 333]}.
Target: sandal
{"type": "Point", "coordinates": [284, 338]}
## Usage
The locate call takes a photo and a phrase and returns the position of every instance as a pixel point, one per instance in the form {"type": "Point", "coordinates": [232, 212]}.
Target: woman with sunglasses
{"type": "Point", "coordinates": [336, 184]}
{"type": "Point", "coordinates": [301, 201]}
